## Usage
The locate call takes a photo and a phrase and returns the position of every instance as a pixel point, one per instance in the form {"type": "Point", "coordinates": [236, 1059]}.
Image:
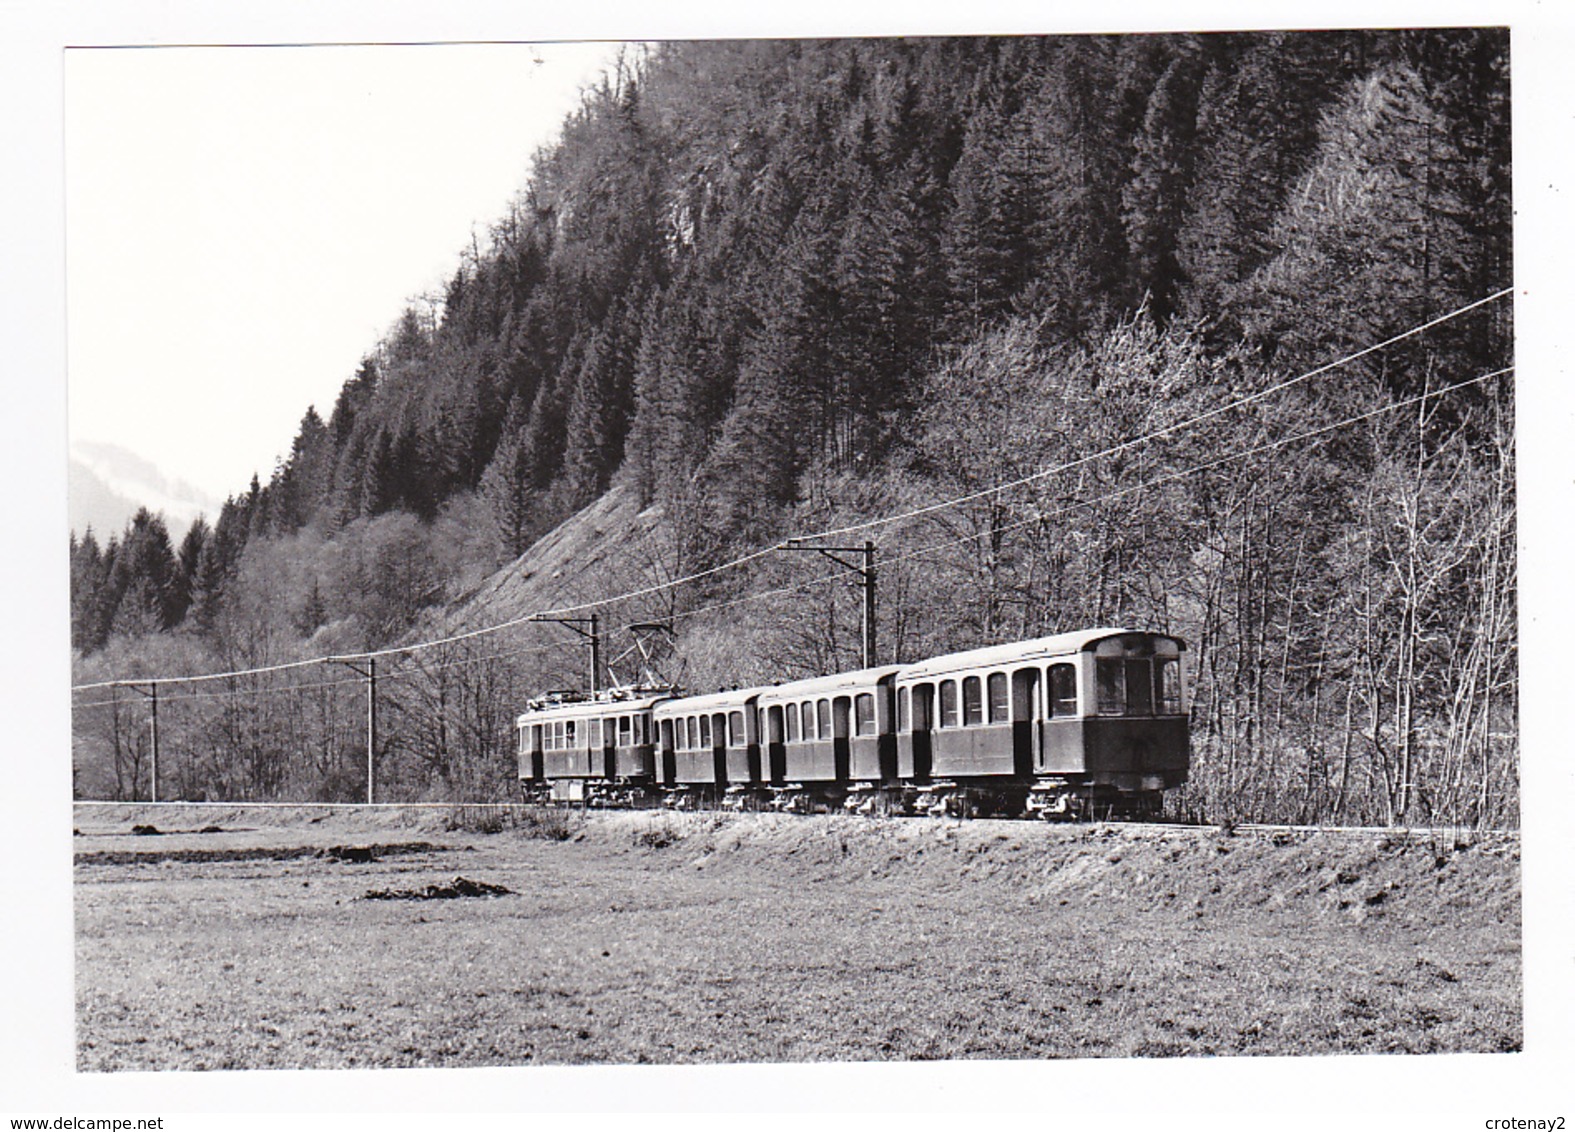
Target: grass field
{"type": "Point", "coordinates": [674, 938]}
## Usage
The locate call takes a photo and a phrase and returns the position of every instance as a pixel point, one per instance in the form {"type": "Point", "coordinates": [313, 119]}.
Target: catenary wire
{"type": "Point", "coordinates": [831, 532]}
{"type": "Point", "coordinates": [919, 553]}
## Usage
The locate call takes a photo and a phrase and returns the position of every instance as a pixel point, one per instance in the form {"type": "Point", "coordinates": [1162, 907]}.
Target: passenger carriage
{"type": "Point", "coordinates": [829, 738]}
{"type": "Point", "coordinates": [1067, 724]}
{"type": "Point", "coordinates": [709, 746]}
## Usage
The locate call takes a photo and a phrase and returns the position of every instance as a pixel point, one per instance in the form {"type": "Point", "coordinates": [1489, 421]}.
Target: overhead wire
{"type": "Point", "coordinates": [919, 553]}
{"type": "Point", "coordinates": [1196, 468]}
{"type": "Point", "coordinates": [659, 587]}
{"type": "Point", "coordinates": [1132, 442]}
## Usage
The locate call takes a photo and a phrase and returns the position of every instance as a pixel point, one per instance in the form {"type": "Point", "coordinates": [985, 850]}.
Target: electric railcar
{"type": "Point", "coordinates": [1063, 726]}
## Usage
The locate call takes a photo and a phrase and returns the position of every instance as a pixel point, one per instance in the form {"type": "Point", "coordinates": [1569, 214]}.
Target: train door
{"type": "Point", "coordinates": [1026, 752]}
{"type": "Point", "coordinates": [886, 729]}
{"type": "Point", "coordinates": [923, 722]}
{"type": "Point", "coordinates": [776, 753]}
{"type": "Point", "coordinates": [719, 747]}
{"type": "Point", "coordinates": [669, 762]}
{"type": "Point", "coordinates": [841, 708]}
{"type": "Point", "coordinates": [1140, 686]}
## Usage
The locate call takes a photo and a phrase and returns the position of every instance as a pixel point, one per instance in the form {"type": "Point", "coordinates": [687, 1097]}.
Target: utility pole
{"type": "Point", "coordinates": [593, 634]}
{"type": "Point", "coordinates": [866, 573]}
{"type": "Point", "coordinates": [153, 727]}
{"type": "Point", "coordinates": [370, 673]}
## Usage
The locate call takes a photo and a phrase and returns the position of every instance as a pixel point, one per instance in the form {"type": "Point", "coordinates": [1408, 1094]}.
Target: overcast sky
{"type": "Point", "coordinates": [243, 224]}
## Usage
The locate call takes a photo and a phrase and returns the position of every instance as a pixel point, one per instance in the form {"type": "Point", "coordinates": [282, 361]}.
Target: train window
{"type": "Point", "coordinates": [790, 720]}
{"type": "Point", "coordinates": [864, 714]}
{"type": "Point", "coordinates": [694, 733]}
{"type": "Point", "coordinates": [1063, 690]}
{"type": "Point", "coordinates": [644, 729]}
{"type": "Point", "coordinates": [973, 701]}
{"type": "Point", "coordinates": [569, 734]}
{"type": "Point", "coordinates": [807, 710]}
{"type": "Point", "coordinates": [735, 729]}
{"type": "Point", "coordinates": [625, 731]}
{"type": "Point", "coordinates": [823, 719]}
{"type": "Point", "coordinates": [923, 707]}
{"type": "Point", "coordinates": [1140, 687]}
{"type": "Point", "coordinates": [948, 703]}
{"type": "Point", "coordinates": [998, 703]}
{"type": "Point", "coordinates": [1110, 677]}
{"type": "Point", "coordinates": [1170, 687]}
{"type": "Point", "coordinates": [902, 709]}
{"type": "Point", "coordinates": [705, 731]}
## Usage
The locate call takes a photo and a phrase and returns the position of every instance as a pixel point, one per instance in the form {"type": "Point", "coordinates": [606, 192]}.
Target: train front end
{"type": "Point", "coordinates": [1119, 739]}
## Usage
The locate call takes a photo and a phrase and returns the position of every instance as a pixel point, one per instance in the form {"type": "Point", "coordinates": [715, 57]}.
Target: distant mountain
{"type": "Point", "coordinates": [107, 484]}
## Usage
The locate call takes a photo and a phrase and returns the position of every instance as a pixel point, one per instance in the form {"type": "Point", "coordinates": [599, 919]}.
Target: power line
{"type": "Point", "coordinates": [711, 571]}
{"type": "Point", "coordinates": [315, 685]}
{"type": "Point", "coordinates": [921, 552]}
{"type": "Point", "coordinates": [1134, 441]}
{"type": "Point", "coordinates": [1196, 468]}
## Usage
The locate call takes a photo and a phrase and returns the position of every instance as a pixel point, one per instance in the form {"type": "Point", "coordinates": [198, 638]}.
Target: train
{"type": "Point", "coordinates": [1076, 725]}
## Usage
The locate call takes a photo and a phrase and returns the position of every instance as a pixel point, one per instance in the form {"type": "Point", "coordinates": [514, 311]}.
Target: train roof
{"type": "Point", "coordinates": [862, 678]}
{"type": "Point", "coordinates": [736, 697]}
{"type": "Point", "coordinates": [1040, 648]}
{"type": "Point", "coordinates": [592, 707]}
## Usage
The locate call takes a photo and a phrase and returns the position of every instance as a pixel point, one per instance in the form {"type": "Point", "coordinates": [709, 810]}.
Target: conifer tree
{"type": "Point", "coordinates": [143, 578]}
{"type": "Point", "coordinates": [1375, 237]}
{"type": "Point", "coordinates": [506, 484]}
{"type": "Point", "coordinates": [1153, 199]}
{"type": "Point", "coordinates": [189, 559]}
{"type": "Point", "coordinates": [89, 625]}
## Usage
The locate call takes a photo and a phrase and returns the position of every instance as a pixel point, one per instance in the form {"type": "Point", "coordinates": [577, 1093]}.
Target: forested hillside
{"type": "Point", "coordinates": [772, 288]}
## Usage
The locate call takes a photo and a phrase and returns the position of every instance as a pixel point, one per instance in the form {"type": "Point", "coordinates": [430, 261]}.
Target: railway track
{"type": "Point", "coordinates": [1419, 832]}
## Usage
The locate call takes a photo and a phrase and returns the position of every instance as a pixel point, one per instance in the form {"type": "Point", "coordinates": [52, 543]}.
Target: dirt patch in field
{"type": "Point", "coordinates": [350, 854]}
{"type": "Point", "coordinates": [455, 889]}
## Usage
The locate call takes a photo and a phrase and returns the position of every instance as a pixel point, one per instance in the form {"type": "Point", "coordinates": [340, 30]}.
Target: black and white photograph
{"type": "Point", "coordinates": [912, 565]}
